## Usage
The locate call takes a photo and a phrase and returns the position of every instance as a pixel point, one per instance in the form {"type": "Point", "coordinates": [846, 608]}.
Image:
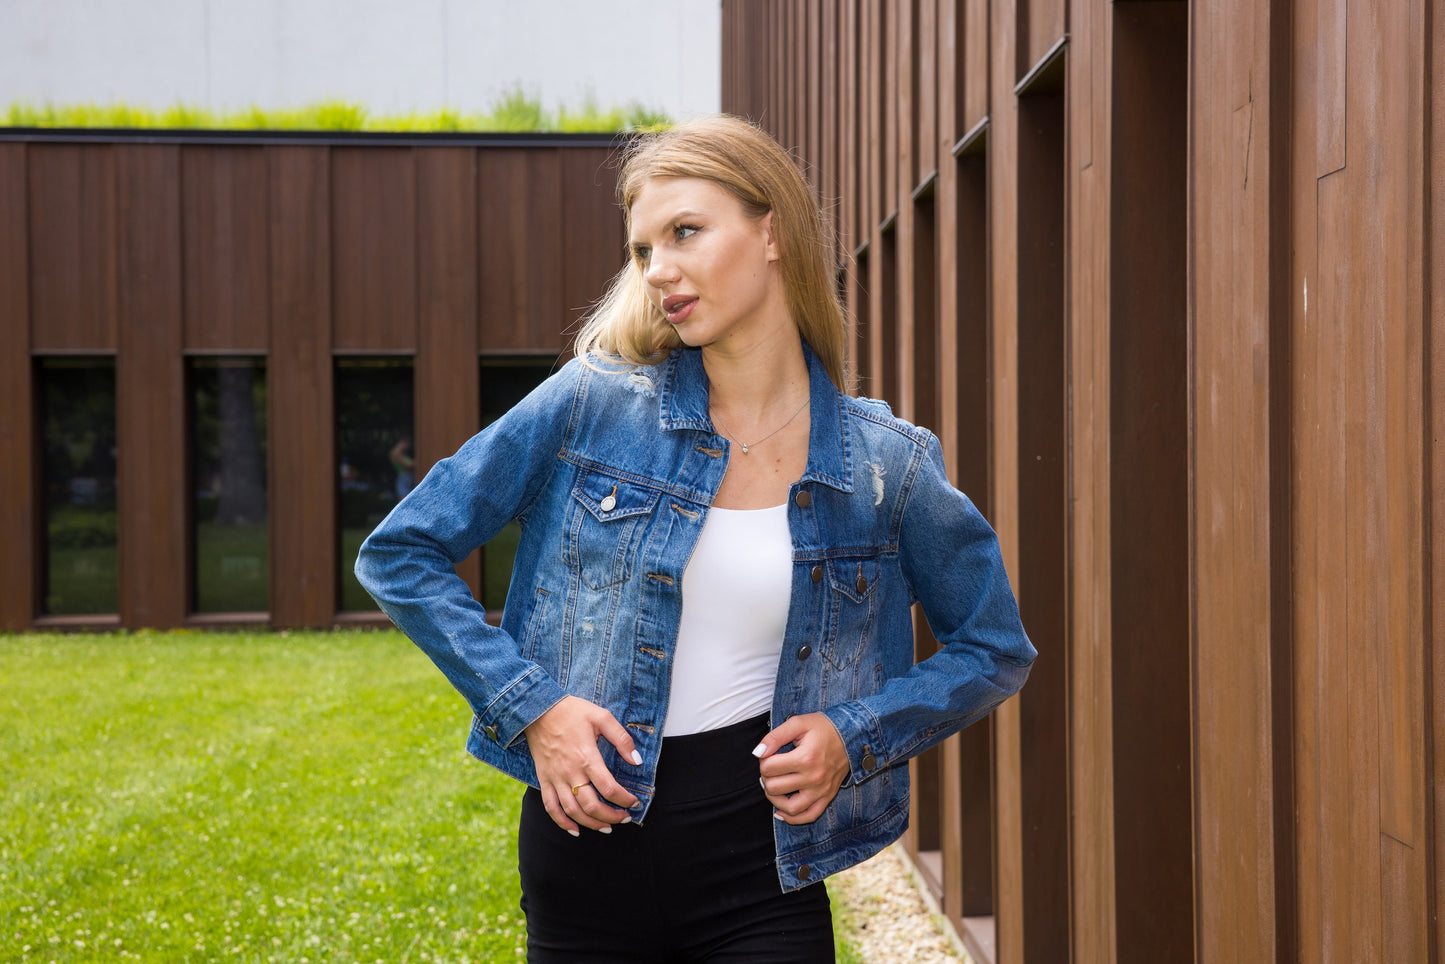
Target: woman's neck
{"type": "Point", "coordinates": [753, 382]}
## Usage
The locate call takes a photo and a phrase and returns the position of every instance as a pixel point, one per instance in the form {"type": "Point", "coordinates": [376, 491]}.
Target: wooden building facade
{"type": "Point", "coordinates": [1167, 279]}
{"type": "Point", "coordinates": [435, 275]}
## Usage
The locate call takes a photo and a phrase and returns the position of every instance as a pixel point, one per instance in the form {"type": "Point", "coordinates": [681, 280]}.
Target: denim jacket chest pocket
{"type": "Point", "coordinates": [851, 607]}
{"type": "Point", "coordinates": [603, 522]}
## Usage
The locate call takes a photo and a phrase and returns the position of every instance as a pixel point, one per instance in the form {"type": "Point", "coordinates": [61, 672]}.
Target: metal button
{"type": "Point", "coordinates": [869, 761]}
{"type": "Point", "coordinates": [817, 573]}
{"type": "Point", "coordinates": [862, 584]}
{"type": "Point", "coordinates": [608, 503]}
{"type": "Point", "coordinates": [804, 652]}
{"type": "Point", "coordinates": [491, 730]}
{"type": "Point", "coordinates": [804, 872]}
{"type": "Point", "coordinates": [803, 499]}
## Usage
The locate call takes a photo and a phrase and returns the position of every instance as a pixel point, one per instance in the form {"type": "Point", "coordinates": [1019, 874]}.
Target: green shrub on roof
{"type": "Point", "coordinates": [515, 111]}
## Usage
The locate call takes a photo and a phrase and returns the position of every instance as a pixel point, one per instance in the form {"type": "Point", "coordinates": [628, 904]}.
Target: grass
{"type": "Point", "coordinates": [254, 797]}
{"type": "Point", "coordinates": [514, 110]}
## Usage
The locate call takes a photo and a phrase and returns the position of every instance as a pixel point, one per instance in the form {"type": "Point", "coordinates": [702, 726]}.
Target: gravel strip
{"type": "Point", "coordinates": [889, 920]}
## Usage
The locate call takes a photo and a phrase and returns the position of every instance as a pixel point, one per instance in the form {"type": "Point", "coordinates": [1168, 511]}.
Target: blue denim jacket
{"type": "Point", "coordinates": [611, 476]}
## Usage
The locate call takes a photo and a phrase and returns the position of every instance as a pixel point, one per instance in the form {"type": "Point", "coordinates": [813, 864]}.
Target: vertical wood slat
{"type": "Point", "coordinates": [1433, 181]}
{"type": "Point", "coordinates": [1230, 207]}
{"type": "Point", "coordinates": [1003, 340]}
{"type": "Point", "coordinates": [226, 248]}
{"type": "Point", "coordinates": [1149, 487]}
{"type": "Point", "coordinates": [448, 396]}
{"type": "Point", "coordinates": [18, 469]}
{"type": "Point", "coordinates": [976, 53]}
{"type": "Point", "coordinates": [1042, 501]}
{"type": "Point", "coordinates": [593, 241]}
{"type": "Point", "coordinates": [1094, 897]}
{"type": "Point", "coordinates": [373, 238]}
{"type": "Point", "coordinates": [519, 204]}
{"type": "Point", "coordinates": [150, 390]}
{"type": "Point", "coordinates": [926, 158]}
{"type": "Point", "coordinates": [899, 192]}
{"type": "Point", "coordinates": [301, 407]}
{"type": "Point", "coordinates": [72, 247]}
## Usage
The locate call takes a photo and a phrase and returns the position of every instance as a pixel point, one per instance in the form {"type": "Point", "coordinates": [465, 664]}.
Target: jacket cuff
{"type": "Point", "coordinates": [862, 739]}
{"type": "Point", "coordinates": [518, 706]}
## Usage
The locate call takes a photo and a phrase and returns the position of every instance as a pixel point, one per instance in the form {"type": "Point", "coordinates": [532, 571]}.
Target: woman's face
{"type": "Point", "coordinates": [709, 267]}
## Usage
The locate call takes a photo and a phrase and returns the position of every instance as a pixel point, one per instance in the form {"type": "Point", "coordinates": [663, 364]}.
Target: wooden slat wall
{"type": "Point", "coordinates": [20, 510]}
{"type": "Point", "coordinates": [298, 253]}
{"type": "Point", "coordinates": [151, 497]}
{"type": "Point", "coordinates": [1201, 245]}
{"type": "Point", "coordinates": [227, 250]}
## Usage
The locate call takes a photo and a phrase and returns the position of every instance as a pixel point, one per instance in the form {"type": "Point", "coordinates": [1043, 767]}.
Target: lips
{"type": "Point", "coordinates": [678, 307]}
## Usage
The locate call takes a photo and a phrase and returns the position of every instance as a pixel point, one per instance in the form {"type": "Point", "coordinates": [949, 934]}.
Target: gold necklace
{"type": "Point", "coordinates": [748, 445]}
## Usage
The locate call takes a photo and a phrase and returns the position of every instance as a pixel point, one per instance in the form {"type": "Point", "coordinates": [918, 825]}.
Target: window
{"type": "Point", "coordinates": [77, 419]}
{"type": "Point", "coordinates": [374, 456]}
{"type": "Point", "coordinates": [229, 545]}
{"type": "Point", "coordinates": [504, 383]}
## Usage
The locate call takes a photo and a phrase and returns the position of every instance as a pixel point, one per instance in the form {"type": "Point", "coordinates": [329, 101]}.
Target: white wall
{"type": "Point", "coordinates": [388, 55]}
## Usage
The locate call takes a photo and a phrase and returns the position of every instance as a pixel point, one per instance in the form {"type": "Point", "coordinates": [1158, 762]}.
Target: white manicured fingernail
{"type": "Point", "coordinates": [627, 819]}
{"type": "Point", "coordinates": [761, 783]}
{"type": "Point", "coordinates": [777, 815]}
{"type": "Point", "coordinates": [637, 758]}
{"type": "Point", "coordinates": [759, 750]}
{"type": "Point", "coordinates": [575, 833]}
{"type": "Point", "coordinates": [604, 829]}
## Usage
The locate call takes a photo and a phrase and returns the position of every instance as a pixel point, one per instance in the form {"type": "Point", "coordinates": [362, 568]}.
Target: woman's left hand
{"type": "Point", "coordinates": [803, 781]}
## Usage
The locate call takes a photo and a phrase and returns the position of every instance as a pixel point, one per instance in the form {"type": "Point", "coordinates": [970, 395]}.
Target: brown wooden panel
{"type": "Point", "coordinates": [894, 106]}
{"type": "Point", "coordinates": [814, 141]}
{"type": "Point", "coordinates": [18, 469]}
{"type": "Point", "coordinates": [593, 241]}
{"type": "Point", "coordinates": [72, 247]}
{"type": "Point", "coordinates": [1328, 89]}
{"type": "Point", "coordinates": [519, 203]}
{"type": "Point", "coordinates": [1149, 494]}
{"type": "Point", "coordinates": [150, 390]}
{"type": "Point", "coordinates": [1232, 154]}
{"type": "Point", "coordinates": [925, 365]}
{"type": "Point", "coordinates": [373, 230]}
{"type": "Point", "coordinates": [1434, 306]}
{"type": "Point", "coordinates": [1047, 24]}
{"type": "Point", "coordinates": [1042, 527]}
{"type": "Point", "coordinates": [925, 86]}
{"type": "Point", "coordinates": [300, 412]}
{"type": "Point", "coordinates": [975, 51]}
{"type": "Point", "coordinates": [226, 248]}
{"type": "Point", "coordinates": [447, 394]}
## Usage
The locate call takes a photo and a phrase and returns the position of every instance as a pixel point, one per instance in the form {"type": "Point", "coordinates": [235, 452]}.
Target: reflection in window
{"type": "Point", "coordinates": [229, 546]}
{"type": "Point", "coordinates": [374, 455]}
{"type": "Point", "coordinates": [504, 383]}
{"type": "Point", "coordinates": [77, 418]}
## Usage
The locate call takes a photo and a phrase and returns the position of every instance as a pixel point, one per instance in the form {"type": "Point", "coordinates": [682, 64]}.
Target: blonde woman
{"type": "Point", "coordinates": [704, 671]}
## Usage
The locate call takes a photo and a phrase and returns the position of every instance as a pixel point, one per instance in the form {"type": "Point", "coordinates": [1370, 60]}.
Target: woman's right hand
{"type": "Point", "coordinates": [576, 785]}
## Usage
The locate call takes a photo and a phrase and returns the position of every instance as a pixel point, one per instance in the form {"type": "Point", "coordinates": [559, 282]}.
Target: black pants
{"type": "Point", "coordinates": [697, 882]}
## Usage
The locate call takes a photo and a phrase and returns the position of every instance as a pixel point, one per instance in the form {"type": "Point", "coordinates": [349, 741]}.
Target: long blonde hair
{"type": "Point", "coordinates": [752, 167]}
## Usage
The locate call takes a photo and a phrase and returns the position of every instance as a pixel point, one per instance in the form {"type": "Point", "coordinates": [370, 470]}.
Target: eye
{"type": "Point", "coordinates": [684, 231]}
{"type": "Point", "coordinates": [640, 253]}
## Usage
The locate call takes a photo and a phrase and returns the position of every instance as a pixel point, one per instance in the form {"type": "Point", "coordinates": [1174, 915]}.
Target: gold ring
{"type": "Point", "coordinates": [579, 787]}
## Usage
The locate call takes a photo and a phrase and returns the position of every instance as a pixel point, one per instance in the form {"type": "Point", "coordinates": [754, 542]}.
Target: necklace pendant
{"type": "Point", "coordinates": [745, 447]}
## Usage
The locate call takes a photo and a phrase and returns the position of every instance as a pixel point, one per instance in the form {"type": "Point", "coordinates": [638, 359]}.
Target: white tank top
{"type": "Point", "coordinates": [735, 593]}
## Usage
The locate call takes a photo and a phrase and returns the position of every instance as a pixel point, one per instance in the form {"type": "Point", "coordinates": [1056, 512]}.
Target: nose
{"type": "Point", "coordinates": [659, 271]}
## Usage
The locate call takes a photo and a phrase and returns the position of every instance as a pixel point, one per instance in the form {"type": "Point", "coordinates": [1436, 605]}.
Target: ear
{"type": "Point", "coordinates": [770, 236]}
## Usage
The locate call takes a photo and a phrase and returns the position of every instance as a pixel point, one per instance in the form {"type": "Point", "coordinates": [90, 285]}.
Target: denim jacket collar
{"type": "Point", "coordinates": [684, 405]}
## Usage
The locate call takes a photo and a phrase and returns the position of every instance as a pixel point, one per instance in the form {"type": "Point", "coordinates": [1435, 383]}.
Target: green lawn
{"type": "Point", "coordinates": [294, 797]}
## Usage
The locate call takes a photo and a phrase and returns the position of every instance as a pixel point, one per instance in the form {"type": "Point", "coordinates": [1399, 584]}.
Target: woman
{"type": "Point", "coordinates": [704, 670]}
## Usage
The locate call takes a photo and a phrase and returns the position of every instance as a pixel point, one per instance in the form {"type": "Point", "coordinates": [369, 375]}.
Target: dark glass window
{"type": "Point", "coordinates": [374, 454]}
{"type": "Point", "coordinates": [229, 545]}
{"type": "Point", "coordinates": [504, 383]}
{"type": "Point", "coordinates": [77, 419]}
